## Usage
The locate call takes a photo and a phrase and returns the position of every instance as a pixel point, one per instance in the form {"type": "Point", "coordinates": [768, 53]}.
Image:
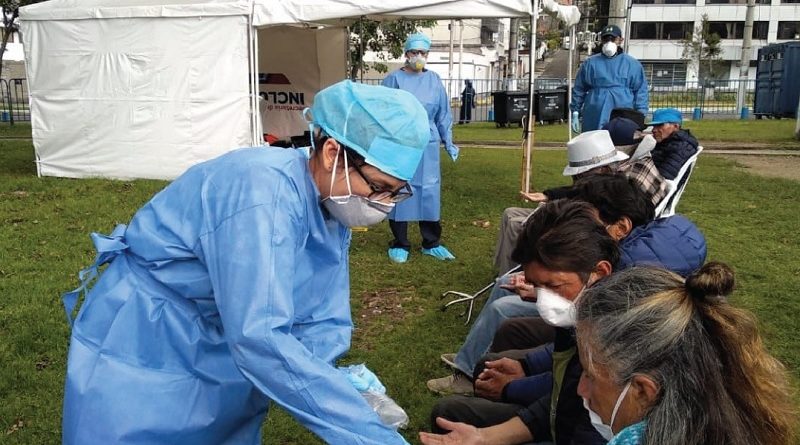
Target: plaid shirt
{"type": "Point", "coordinates": [645, 173]}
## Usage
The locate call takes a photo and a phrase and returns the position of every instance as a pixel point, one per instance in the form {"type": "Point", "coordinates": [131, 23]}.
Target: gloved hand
{"type": "Point", "coordinates": [576, 122]}
{"type": "Point", "coordinates": [452, 150]}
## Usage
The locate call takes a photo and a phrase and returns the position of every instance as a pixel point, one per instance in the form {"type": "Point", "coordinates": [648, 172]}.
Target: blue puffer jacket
{"type": "Point", "coordinates": [673, 243]}
{"type": "Point", "coordinates": [670, 154]}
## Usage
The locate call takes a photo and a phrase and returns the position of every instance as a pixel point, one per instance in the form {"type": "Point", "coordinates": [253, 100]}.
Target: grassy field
{"type": "Point", "coordinates": [750, 222]}
{"type": "Point", "coordinates": [777, 133]}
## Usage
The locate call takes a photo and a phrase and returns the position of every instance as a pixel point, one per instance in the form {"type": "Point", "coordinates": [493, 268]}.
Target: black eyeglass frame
{"type": "Point", "coordinates": [378, 193]}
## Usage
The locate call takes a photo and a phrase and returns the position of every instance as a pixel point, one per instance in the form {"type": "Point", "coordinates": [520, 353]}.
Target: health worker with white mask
{"type": "Point", "coordinates": [425, 204]}
{"type": "Point", "coordinates": [607, 80]}
{"type": "Point", "coordinates": [230, 289]}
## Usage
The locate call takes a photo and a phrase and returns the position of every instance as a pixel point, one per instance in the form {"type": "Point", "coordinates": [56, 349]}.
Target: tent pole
{"type": "Point", "coordinates": [570, 77]}
{"type": "Point", "coordinates": [529, 131]}
{"type": "Point", "coordinates": [253, 82]}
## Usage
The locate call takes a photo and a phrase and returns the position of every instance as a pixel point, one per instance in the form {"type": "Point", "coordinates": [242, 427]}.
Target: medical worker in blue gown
{"type": "Point", "coordinates": [425, 205]}
{"type": "Point", "coordinates": [230, 288]}
{"type": "Point", "coordinates": [607, 80]}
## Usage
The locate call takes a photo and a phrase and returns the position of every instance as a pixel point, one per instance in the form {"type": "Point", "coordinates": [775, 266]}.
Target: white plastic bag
{"type": "Point", "coordinates": [367, 383]}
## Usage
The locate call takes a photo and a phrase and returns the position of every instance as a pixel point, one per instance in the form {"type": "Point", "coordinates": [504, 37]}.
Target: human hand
{"type": "Point", "coordinates": [521, 287]}
{"type": "Point", "coordinates": [460, 433]}
{"type": "Point", "coordinates": [495, 376]}
{"type": "Point", "coordinates": [534, 197]}
{"type": "Point", "coordinates": [453, 152]}
{"type": "Point", "coordinates": [576, 122]}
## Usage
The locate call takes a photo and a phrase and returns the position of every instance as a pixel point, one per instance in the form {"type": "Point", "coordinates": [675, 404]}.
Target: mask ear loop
{"type": "Point", "coordinates": [619, 402]}
{"type": "Point", "coordinates": [346, 171]}
{"type": "Point", "coordinates": [307, 116]}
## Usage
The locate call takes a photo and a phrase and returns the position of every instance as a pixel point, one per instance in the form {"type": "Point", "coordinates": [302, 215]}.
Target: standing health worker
{"type": "Point", "coordinates": [608, 80]}
{"type": "Point", "coordinates": [425, 205]}
{"type": "Point", "coordinates": [230, 288]}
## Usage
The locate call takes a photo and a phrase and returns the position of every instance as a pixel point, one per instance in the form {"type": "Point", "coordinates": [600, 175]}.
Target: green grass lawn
{"type": "Point", "coordinates": [750, 222]}
{"type": "Point", "coordinates": [778, 133]}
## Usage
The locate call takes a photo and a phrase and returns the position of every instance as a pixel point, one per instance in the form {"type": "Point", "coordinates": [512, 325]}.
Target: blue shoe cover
{"type": "Point", "coordinates": [439, 252]}
{"type": "Point", "coordinates": [398, 255]}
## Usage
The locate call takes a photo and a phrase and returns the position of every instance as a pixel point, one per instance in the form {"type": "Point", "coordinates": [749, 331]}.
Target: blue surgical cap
{"type": "Point", "coordinates": [418, 41]}
{"type": "Point", "coordinates": [387, 126]}
{"type": "Point", "coordinates": [666, 116]}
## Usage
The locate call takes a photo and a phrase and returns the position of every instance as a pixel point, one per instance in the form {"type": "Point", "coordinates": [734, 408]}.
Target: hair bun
{"type": "Point", "coordinates": [712, 280]}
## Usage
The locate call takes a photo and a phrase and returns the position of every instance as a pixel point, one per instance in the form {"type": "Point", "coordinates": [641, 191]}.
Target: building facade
{"type": "Point", "coordinates": [658, 27]}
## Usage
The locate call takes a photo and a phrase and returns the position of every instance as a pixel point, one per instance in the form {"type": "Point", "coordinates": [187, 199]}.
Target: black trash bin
{"type": "Point", "coordinates": [777, 89]}
{"type": "Point", "coordinates": [509, 107]}
{"type": "Point", "coordinates": [550, 105]}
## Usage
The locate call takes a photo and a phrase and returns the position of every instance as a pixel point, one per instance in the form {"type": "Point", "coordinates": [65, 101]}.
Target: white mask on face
{"type": "Point", "coordinates": [354, 210]}
{"type": "Point", "coordinates": [417, 62]}
{"type": "Point", "coordinates": [609, 49]}
{"type": "Point", "coordinates": [597, 421]}
{"type": "Point", "coordinates": [555, 309]}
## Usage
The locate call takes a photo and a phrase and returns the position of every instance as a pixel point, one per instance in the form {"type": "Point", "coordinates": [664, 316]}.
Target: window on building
{"type": "Point", "coordinates": [665, 2]}
{"type": "Point", "coordinates": [788, 30]}
{"type": "Point", "coordinates": [736, 2]}
{"type": "Point", "coordinates": [790, 1]}
{"type": "Point", "coordinates": [735, 30]}
{"type": "Point", "coordinates": [665, 74]}
{"type": "Point", "coordinates": [660, 30]}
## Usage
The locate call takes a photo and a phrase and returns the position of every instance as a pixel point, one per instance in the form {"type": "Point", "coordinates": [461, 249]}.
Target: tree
{"type": "Point", "coordinates": [10, 22]}
{"type": "Point", "coordinates": [370, 35]}
{"type": "Point", "coordinates": [702, 45]}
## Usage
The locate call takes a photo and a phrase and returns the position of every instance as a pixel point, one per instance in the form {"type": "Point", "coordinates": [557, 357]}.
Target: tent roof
{"type": "Point", "coordinates": [272, 12]}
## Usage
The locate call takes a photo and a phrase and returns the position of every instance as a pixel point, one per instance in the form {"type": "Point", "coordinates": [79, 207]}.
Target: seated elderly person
{"type": "Point", "coordinates": [666, 361]}
{"type": "Point", "coordinates": [674, 146]}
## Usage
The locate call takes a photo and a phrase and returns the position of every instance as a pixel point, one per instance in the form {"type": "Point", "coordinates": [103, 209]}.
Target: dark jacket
{"type": "Point", "coordinates": [673, 243]}
{"type": "Point", "coordinates": [670, 154]}
{"type": "Point", "coordinates": [572, 424]}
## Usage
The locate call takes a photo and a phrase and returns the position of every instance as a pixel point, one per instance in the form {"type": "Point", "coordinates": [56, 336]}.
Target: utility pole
{"type": "Point", "coordinates": [512, 50]}
{"type": "Point", "coordinates": [744, 62]}
{"type": "Point", "coordinates": [460, 52]}
{"type": "Point", "coordinates": [617, 10]}
{"type": "Point", "coordinates": [451, 27]}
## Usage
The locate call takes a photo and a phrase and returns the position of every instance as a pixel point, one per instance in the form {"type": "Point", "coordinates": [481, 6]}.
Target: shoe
{"type": "Point", "coordinates": [398, 255]}
{"type": "Point", "coordinates": [449, 359]}
{"type": "Point", "coordinates": [456, 383]}
{"type": "Point", "coordinates": [439, 252]}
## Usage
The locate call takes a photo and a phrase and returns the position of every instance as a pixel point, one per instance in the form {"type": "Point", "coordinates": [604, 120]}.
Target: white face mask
{"type": "Point", "coordinates": [609, 49]}
{"type": "Point", "coordinates": [354, 210]}
{"type": "Point", "coordinates": [417, 62]}
{"type": "Point", "coordinates": [555, 309]}
{"type": "Point", "coordinates": [597, 422]}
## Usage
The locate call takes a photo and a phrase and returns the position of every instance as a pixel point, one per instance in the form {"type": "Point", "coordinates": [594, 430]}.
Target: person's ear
{"type": "Point", "coordinates": [602, 269]}
{"type": "Point", "coordinates": [329, 151]}
{"type": "Point", "coordinates": [620, 229]}
{"type": "Point", "coordinates": [644, 392]}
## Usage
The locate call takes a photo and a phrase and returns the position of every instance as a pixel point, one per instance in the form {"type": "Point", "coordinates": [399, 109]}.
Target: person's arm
{"type": "Point", "coordinates": [252, 258]}
{"type": "Point", "coordinates": [641, 98]}
{"type": "Point", "coordinates": [580, 88]}
{"type": "Point", "coordinates": [523, 391]}
{"type": "Point", "coordinates": [390, 81]}
{"type": "Point", "coordinates": [444, 121]}
{"type": "Point", "coordinates": [510, 432]}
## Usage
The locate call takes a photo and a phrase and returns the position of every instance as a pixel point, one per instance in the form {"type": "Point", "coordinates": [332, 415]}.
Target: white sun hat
{"type": "Point", "coordinates": [590, 150]}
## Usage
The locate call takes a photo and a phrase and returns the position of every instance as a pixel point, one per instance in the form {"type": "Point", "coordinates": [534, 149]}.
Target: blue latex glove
{"type": "Point", "coordinates": [576, 122]}
{"type": "Point", "coordinates": [440, 253]}
{"type": "Point", "coordinates": [453, 152]}
{"type": "Point", "coordinates": [363, 379]}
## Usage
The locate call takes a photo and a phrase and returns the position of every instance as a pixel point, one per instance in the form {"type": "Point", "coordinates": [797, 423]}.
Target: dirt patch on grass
{"type": "Point", "coordinates": [787, 167]}
{"type": "Point", "coordinates": [380, 311]}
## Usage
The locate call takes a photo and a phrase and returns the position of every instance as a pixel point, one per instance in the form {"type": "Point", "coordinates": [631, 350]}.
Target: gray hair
{"type": "Point", "coordinates": [695, 346]}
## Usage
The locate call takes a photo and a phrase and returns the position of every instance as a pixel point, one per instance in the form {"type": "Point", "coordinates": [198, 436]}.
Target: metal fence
{"type": "Point", "coordinates": [15, 105]}
{"type": "Point", "coordinates": [693, 98]}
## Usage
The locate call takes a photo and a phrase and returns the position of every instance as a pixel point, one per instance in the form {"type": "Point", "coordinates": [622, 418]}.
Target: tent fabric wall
{"type": "Point", "coordinates": [136, 97]}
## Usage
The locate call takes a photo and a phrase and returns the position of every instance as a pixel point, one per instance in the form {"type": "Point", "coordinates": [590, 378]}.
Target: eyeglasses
{"type": "Point", "coordinates": [417, 52]}
{"type": "Point", "coordinates": [379, 193]}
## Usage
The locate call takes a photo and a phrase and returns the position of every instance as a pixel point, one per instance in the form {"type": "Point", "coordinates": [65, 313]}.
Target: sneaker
{"type": "Point", "coordinates": [456, 383]}
{"type": "Point", "coordinates": [449, 359]}
{"type": "Point", "coordinates": [398, 255]}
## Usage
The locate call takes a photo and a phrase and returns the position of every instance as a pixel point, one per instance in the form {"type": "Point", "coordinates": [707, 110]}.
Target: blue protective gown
{"type": "Point", "coordinates": [425, 204]}
{"type": "Point", "coordinates": [603, 84]}
{"type": "Point", "coordinates": [229, 289]}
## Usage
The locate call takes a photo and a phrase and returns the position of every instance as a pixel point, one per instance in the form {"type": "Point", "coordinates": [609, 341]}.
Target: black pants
{"type": "Point", "coordinates": [475, 411]}
{"type": "Point", "coordinates": [522, 333]}
{"type": "Point", "coordinates": [431, 232]}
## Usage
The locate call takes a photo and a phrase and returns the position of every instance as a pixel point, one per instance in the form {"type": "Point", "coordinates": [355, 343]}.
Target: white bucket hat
{"type": "Point", "coordinates": [590, 150]}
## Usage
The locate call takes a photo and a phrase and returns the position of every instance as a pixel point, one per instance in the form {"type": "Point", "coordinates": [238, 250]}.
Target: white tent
{"type": "Point", "coordinates": [144, 89]}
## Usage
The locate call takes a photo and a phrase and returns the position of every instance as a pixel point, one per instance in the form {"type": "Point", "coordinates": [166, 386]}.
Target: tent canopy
{"type": "Point", "coordinates": [147, 88]}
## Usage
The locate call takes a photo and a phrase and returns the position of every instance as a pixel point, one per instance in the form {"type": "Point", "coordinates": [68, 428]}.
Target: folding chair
{"type": "Point", "coordinates": [465, 297]}
{"type": "Point", "coordinates": [675, 187]}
